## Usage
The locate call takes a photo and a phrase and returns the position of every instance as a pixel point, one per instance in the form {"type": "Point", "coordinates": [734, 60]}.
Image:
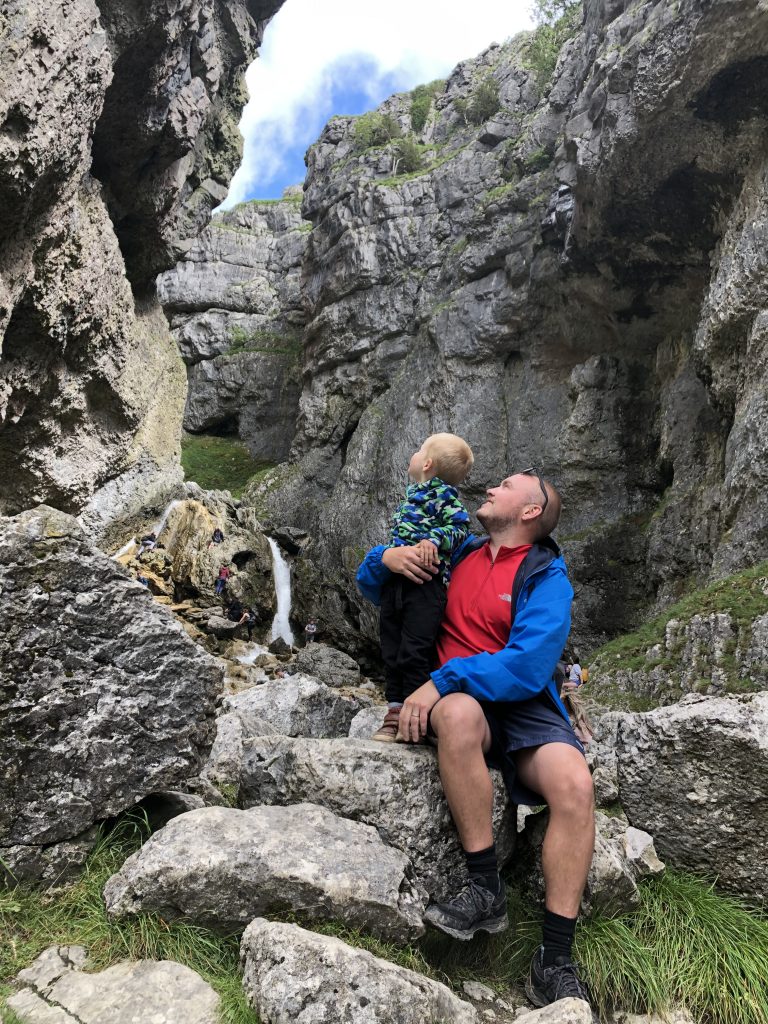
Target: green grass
{"type": "Point", "coordinates": [686, 945]}
{"type": "Point", "coordinates": [742, 596]}
{"type": "Point", "coordinates": [272, 342]}
{"type": "Point", "coordinates": [32, 919]}
{"type": "Point", "coordinates": [219, 463]}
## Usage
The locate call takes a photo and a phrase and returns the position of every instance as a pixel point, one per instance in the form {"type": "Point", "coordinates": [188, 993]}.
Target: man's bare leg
{"type": "Point", "coordinates": [559, 772]}
{"type": "Point", "coordinates": [463, 738]}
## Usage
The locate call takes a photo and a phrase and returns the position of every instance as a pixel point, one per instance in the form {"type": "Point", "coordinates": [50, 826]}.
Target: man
{"type": "Point", "coordinates": [494, 697]}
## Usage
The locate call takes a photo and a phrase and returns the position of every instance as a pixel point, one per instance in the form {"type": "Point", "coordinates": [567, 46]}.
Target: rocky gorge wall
{"type": "Point", "coordinates": [117, 137]}
{"type": "Point", "coordinates": [575, 282]}
{"type": "Point", "coordinates": [236, 313]}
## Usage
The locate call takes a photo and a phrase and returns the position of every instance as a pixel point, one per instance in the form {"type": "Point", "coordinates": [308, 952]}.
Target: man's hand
{"type": "Point", "coordinates": [415, 712]}
{"type": "Point", "coordinates": [407, 562]}
{"type": "Point", "coordinates": [428, 552]}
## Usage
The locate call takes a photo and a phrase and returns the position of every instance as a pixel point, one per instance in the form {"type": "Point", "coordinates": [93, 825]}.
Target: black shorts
{"type": "Point", "coordinates": [520, 725]}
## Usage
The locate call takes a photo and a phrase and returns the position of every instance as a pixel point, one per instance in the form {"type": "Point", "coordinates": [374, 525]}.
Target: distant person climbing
{"type": "Point", "coordinates": [249, 620]}
{"type": "Point", "coordinates": [147, 544]}
{"type": "Point", "coordinates": [310, 630]}
{"type": "Point", "coordinates": [574, 675]}
{"type": "Point", "coordinates": [217, 538]}
{"type": "Point", "coordinates": [222, 579]}
{"type": "Point", "coordinates": [432, 519]}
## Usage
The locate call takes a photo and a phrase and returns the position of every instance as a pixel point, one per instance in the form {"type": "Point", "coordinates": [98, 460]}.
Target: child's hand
{"type": "Point", "coordinates": [427, 552]}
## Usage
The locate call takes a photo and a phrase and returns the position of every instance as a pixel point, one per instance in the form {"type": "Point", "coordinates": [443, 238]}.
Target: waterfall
{"type": "Point", "coordinates": [156, 529]}
{"type": "Point", "coordinates": [281, 626]}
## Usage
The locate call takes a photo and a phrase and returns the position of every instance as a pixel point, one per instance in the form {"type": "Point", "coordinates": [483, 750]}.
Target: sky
{"type": "Point", "coordinates": [326, 57]}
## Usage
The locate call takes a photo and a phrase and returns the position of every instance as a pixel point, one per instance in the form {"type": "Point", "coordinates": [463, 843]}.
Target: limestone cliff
{"type": "Point", "coordinates": [575, 279]}
{"type": "Point", "coordinates": [236, 314]}
{"type": "Point", "coordinates": [117, 136]}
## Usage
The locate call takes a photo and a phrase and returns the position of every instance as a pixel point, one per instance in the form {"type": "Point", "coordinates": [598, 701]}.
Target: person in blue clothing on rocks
{"type": "Point", "coordinates": [493, 701]}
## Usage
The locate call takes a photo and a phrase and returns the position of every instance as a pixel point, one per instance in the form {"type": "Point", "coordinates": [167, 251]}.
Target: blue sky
{"type": "Point", "coordinates": [344, 57]}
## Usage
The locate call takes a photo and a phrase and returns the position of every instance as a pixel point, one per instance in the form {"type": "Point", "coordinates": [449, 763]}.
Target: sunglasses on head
{"type": "Point", "coordinates": [531, 471]}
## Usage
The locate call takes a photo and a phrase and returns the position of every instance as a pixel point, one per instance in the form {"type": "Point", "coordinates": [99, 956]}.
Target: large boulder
{"type": "Point", "coordinates": [623, 856]}
{"type": "Point", "coordinates": [196, 561]}
{"type": "Point", "coordinates": [103, 697]}
{"type": "Point", "coordinates": [695, 775]}
{"type": "Point", "coordinates": [58, 991]}
{"type": "Point", "coordinates": [293, 976]}
{"type": "Point", "coordinates": [334, 668]}
{"type": "Point", "coordinates": [295, 705]}
{"type": "Point", "coordinates": [221, 867]}
{"type": "Point", "coordinates": [394, 787]}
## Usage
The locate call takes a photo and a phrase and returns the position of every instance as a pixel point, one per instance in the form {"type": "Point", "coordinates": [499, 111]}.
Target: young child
{"type": "Point", "coordinates": [432, 518]}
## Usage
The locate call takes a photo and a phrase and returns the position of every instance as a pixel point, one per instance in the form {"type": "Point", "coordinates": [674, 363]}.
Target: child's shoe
{"type": "Point", "coordinates": [387, 732]}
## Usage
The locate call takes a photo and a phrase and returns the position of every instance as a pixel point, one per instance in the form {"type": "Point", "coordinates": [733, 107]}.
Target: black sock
{"type": "Point", "coordinates": [557, 938]}
{"type": "Point", "coordinates": [483, 867]}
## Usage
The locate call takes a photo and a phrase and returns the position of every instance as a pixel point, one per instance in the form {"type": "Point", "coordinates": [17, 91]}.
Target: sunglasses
{"type": "Point", "coordinates": [531, 471]}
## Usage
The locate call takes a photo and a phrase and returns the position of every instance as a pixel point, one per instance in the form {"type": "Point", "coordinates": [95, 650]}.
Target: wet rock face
{"type": "Point", "coordinates": [118, 137]}
{"type": "Point", "coordinates": [103, 697]}
{"type": "Point", "coordinates": [236, 313]}
{"type": "Point", "coordinates": [540, 290]}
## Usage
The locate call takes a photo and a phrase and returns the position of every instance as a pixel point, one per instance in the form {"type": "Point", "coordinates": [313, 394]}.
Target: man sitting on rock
{"type": "Point", "coordinates": [493, 701]}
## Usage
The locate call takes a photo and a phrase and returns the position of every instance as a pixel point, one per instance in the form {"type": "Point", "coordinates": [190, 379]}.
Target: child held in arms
{"type": "Point", "coordinates": [433, 519]}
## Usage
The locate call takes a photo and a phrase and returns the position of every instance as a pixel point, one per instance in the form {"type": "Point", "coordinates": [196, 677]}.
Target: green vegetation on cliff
{"type": "Point", "coordinates": [743, 597]}
{"type": "Point", "coordinates": [421, 102]}
{"type": "Point", "coordinates": [557, 21]}
{"type": "Point", "coordinates": [685, 945]}
{"type": "Point", "coordinates": [219, 463]}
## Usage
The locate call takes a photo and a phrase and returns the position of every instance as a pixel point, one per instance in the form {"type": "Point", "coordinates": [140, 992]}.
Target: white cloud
{"type": "Point", "coordinates": [310, 43]}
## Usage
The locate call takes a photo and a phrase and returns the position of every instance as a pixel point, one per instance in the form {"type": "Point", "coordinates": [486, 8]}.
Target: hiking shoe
{"type": "Point", "coordinates": [387, 731]}
{"type": "Point", "coordinates": [546, 985]}
{"type": "Point", "coordinates": [473, 909]}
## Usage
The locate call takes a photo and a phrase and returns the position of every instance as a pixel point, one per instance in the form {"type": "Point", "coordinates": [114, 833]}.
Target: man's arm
{"type": "Point", "coordinates": [379, 564]}
{"type": "Point", "coordinates": [526, 665]}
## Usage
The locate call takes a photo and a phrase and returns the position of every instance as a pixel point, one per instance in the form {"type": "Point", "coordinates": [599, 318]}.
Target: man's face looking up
{"type": "Point", "coordinates": [515, 500]}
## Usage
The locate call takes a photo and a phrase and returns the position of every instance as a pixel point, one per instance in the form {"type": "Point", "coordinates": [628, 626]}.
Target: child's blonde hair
{"type": "Point", "coordinates": [451, 456]}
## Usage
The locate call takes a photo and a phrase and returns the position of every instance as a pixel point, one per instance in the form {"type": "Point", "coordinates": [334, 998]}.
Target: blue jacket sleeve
{"type": "Point", "coordinates": [373, 574]}
{"type": "Point", "coordinates": [526, 665]}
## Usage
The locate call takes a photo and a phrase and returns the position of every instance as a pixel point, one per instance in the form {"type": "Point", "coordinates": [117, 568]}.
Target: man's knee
{"type": "Point", "coordinates": [574, 793]}
{"type": "Point", "coordinates": [458, 717]}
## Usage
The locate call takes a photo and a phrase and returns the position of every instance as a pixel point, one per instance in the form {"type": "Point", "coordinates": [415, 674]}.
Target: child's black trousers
{"type": "Point", "coordinates": [410, 618]}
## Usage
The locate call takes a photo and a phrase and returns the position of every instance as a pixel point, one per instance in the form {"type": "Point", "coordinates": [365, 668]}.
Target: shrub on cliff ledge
{"type": "Point", "coordinates": [482, 104]}
{"type": "Point", "coordinates": [421, 103]}
{"type": "Point", "coordinates": [375, 129]}
{"type": "Point", "coordinates": [557, 21]}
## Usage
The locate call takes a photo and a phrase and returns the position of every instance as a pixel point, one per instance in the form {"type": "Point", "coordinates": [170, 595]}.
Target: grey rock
{"type": "Point", "coordinates": [393, 787]}
{"type": "Point", "coordinates": [104, 700]}
{"type": "Point", "coordinates": [623, 855]}
{"type": "Point", "coordinates": [121, 136]}
{"type": "Point", "coordinates": [60, 992]}
{"type": "Point", "coordinates": [334, 668]}
{"type": "Point", "coordinates": [367, 721]}
{"type": "Point", "coordinates": [292, 976]}
{"type": "Point", "coordinates": [563, 1011]}
{"type": "Point", "coordinates": [218, 626]}
{"type": "Point", "coordinates": [695, 776]}
{"type": "Point", "coordinates": [296, 705]}
{"type": "Point", "coordinates": [221, 867]}
{"type": "Point", "coordinates": [225, 760]}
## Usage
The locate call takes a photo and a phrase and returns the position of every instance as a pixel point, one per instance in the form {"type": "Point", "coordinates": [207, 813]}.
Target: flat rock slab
{"type": "Point", "coordinates": [293, 976]}
{"type": "Point", "coordinates": [58, 991]}
{"type": "Point", "coordinates": [221, 867]}
{"type": "Point", "coordinates": [695, 775]}
{"type": "Point", "coordinates": [293, 706]}
{"type": "Point", "coordinates": [564, 1011]}
{"type": "Point", "coordinates": [392, 786]}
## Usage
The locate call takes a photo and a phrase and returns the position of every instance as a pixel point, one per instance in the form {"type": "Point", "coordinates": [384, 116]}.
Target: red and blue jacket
{"type": "Point", "coordinates": [540, 621]}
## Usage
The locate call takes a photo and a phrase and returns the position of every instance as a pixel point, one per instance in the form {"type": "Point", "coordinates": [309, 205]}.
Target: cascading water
{"type": "Point", "coordinates": [281, 626]}
{"type": "Point", "coordinates": [156, 529]}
